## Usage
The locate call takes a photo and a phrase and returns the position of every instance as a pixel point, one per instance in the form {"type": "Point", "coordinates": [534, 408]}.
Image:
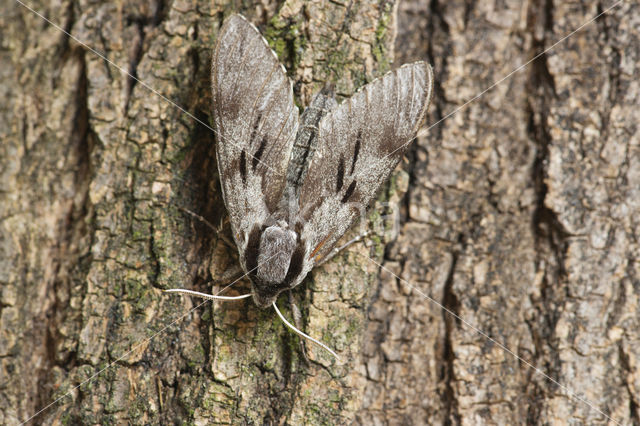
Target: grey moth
{"type": "Point", "coordinates": [294, 185]}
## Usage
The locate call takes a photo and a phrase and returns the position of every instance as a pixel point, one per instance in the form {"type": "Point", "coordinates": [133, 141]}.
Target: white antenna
{"type": "Point", "coordinates": [244, 296]}
{"type": "Point", "coordinates": [205, 295]}
{"type": "Point", "coordinates": [317, 342]}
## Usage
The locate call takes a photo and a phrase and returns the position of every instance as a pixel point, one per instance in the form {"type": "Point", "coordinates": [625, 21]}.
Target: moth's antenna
{"type": "Point", "coordinates": [205, 295]}
{"type": "Point", "coordinates": [317, 342]}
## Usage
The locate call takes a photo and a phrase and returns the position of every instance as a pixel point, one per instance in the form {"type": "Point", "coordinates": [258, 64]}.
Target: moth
{"type": "Point", "coordinates": [294, 185]}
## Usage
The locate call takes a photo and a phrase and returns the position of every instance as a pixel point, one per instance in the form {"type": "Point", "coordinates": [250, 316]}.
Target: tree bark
{"type": "Point", "coordinates": [520, 219]}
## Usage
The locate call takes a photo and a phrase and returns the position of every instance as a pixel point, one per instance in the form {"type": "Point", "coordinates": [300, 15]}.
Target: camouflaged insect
{"type": "Point", "coordinates": [293, 189]}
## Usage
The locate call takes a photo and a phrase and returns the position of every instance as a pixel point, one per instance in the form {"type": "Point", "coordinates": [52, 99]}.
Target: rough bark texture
{"type": "Point", "coordinates": [520, 217]}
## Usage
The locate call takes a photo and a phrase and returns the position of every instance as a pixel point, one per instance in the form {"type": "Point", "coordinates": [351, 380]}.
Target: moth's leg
{"type": "Point", "coordinates": [337, 250]}
{"type": "Point", "coordinates": [230, 275]}
{"type": "Point", "coordinates": [297, 321]}
{"type": "Point", "coordinates": [235, 272]}
{"type": "Point", "coordinates": [218, 231]}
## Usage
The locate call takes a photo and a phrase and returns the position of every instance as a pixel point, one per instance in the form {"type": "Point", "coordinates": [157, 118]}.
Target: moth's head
{"type": "Point", "coordinates": [274, 271]}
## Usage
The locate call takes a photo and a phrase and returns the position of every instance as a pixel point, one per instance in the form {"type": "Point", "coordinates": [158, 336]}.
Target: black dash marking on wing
{"type": "Point", "coordinates": [356, 151]}
{"type": "Point", "coordinates": [258, 154]}
{"type": "Point", "coordinates": [243, 166]}
{"type": "Point", "coordinates": [340, 178]}
{"type": "Point", "coordinates": [349, 192]}
{"type": "Point", "coordinates": [255, 126]}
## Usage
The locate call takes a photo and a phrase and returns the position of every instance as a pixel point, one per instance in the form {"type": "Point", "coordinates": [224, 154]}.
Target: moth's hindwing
{"type": "Point", "coordinates": [359, 144]}
{"type": "Point", "coordinates": [256, 122]}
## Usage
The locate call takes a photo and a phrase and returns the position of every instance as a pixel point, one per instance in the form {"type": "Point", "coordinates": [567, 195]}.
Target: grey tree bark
{"type": "Point", "coordinates": [508, 293]}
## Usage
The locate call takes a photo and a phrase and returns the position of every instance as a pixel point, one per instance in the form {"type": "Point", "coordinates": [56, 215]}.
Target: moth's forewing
{"type": "Point", "coordinates": [256, 122]}
{"type": "Point", "coordinates": [359, 145]}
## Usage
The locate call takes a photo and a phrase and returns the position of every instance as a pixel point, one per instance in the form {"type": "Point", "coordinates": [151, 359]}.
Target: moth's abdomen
{"type": "Point", "coordinates": [306, 139]}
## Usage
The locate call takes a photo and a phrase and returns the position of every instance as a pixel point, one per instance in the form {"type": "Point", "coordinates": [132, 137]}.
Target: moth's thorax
{"type": "Point", "coordinates": [277, 243]}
